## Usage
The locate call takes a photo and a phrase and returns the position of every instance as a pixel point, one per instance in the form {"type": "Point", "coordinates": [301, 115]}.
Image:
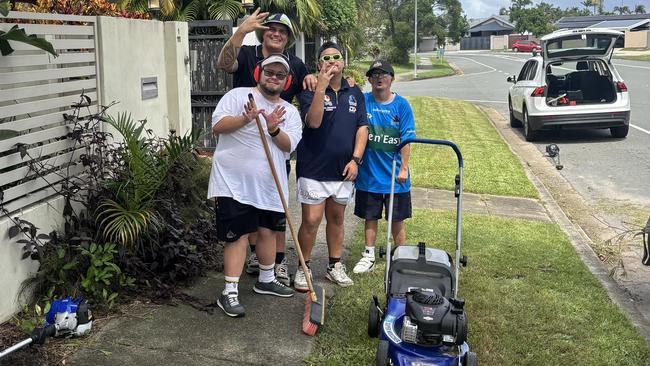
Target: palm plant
{"type": "Point", "coordinates": [622, 10]}
{"type": "Point", "coordinates": [187, 10]}
{"type": "Point", "coordinates": [305, 14]}
{"type": "Point", "coordinates": [129, 214]}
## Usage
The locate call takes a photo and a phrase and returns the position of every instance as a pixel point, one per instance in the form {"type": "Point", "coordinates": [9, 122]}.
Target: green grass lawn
{"type": "Point", "coordinates": [634, 58]}
{"type": "Point", "coordinates": [530, 300]}
{"type": "Point", "coordinates": [439, 68]}
{"type": "Point", "coordinates": [490, 166]}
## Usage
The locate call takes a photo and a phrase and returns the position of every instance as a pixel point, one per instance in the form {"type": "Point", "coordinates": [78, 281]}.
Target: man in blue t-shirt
{"type": "Point", "coordinates": [390, 121]}
{"type": "Point", "coordinates": [328, 157]}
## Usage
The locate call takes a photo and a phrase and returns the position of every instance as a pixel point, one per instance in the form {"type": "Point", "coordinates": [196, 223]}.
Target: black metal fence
{"type": "Point", "coordinates": [206, 39]}
{"type": "Point", "coordinates": [475, 43]}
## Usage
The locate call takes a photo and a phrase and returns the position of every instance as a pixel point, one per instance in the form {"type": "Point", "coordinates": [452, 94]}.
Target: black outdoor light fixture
{"type": "Point", "coordinates": [248, 5]}
{"type": "Point", "coordinates": [154, 8]}
{"type": "Point", "coordinates": [154, 5]}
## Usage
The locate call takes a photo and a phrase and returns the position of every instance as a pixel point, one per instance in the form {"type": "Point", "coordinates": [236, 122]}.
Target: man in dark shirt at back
{"type": "Point", "coordinates": [275, 34]}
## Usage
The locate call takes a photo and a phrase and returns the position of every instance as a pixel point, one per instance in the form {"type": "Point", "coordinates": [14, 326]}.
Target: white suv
{"type": "Point", "coordinates": [573, 84]}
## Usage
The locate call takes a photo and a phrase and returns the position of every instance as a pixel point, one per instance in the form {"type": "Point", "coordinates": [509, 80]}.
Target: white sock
{"type": "Point", "coordinates": [369, 252]}
{"type": "Point", "coordinates": [267, 273]}
{"type": "Point", "coordinates": [231, 285]}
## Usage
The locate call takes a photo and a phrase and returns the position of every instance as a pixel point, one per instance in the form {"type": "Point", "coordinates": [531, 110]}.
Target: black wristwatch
{"type": "Point", "coordinates": [357, 160]}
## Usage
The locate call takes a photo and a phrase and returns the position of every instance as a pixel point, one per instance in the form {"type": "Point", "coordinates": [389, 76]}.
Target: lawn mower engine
{"type": "Point", "coordinates": [431, 319]}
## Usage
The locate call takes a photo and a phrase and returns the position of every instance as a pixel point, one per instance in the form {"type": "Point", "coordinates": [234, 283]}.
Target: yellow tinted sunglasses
{"type": "Point", "coordinates": [331, 57]}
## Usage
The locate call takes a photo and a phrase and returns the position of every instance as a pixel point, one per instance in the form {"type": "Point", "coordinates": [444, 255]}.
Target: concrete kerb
{"type": "Point", "coordinates": [542, 173]}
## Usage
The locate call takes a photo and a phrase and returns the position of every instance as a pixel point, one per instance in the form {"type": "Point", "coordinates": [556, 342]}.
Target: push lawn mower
{"type": "Point", "coordinates": [66, 318]}
{"type": "Point", "coordinates": [424, 321]}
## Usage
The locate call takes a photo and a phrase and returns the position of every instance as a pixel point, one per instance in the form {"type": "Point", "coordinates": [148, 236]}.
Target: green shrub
{"type": "Point", "coordinates": [103, 278]}
{"type": "Point", "coordinates": [356, 74]}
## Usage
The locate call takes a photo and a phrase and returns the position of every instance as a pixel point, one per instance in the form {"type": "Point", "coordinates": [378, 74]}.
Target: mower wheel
{"type": "Point", "coordinates": [373, 320]}
{"type": "Point", "coordinates": [471, 359]}
{"type": "Point", "coordinates": [382, 353]}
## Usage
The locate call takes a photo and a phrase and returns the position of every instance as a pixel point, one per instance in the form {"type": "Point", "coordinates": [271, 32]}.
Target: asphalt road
{"type": "Point", "coordinates": [598, 166]}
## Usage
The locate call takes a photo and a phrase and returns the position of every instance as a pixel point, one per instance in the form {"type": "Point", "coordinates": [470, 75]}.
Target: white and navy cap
{"type": "Point", "coordinates": [276, 58]}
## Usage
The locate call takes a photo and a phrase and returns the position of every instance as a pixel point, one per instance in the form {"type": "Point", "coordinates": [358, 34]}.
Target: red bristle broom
{"type": "Point", "coordinates": [314, 315]}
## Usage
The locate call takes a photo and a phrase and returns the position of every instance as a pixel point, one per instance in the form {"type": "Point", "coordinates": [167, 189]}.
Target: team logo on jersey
{"type": "Point", "coordinates": [395, 120]}
{"type": "Point", "coordinates": [352, 101]}
{"type": "Point", "coordinates": [369, 116]}
{"type": "Point", "coordinates": [328, 103]}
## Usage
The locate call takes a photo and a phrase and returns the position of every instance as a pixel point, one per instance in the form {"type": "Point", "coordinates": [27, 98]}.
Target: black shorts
{"type": "Point", "coordinates": [235, 219]}
{"type": "Point", "coordinates": [368, 205]}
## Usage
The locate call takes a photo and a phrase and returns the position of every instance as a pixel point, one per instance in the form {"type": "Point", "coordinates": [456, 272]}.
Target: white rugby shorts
{"type": "Point", "coordinates": [313, 192]}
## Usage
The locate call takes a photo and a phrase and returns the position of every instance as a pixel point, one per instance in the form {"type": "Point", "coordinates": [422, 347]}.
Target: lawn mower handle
{"type": "Point", "coordinates": [458, 192]}
{"type": "Point", "coordinates": [433, 142]}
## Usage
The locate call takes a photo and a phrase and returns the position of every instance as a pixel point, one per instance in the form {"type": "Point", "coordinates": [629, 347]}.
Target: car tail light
{"type": "Point", "coordinates": [538, 92]}
{"type": "Point", "coordinates": [621, 87]}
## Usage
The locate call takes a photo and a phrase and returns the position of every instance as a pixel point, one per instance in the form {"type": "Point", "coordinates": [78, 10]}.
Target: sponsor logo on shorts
{"type": "Point", "coordinates": [308, 195]}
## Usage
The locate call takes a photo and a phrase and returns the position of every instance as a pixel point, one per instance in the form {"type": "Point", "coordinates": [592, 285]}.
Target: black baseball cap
{"type": "Point", "coordinates": [329, 44]}
{"type": "Point", "coordinates": [382, 65]}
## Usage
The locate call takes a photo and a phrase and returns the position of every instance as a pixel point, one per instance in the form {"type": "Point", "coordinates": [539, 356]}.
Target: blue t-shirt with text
{"type": "Point", "coordinates": [389, 124]}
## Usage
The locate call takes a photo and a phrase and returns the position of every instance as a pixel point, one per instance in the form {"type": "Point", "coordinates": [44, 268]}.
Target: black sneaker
{"type": "Point", "coordinates": [230, 305]}
{"type": "Point", "coordinates": [275, 288]}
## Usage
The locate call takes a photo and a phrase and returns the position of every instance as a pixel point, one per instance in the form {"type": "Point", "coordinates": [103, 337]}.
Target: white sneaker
{"type": "Point", "coordinates": [299, 281]}
{"type": "Point", "coordinates": [337, 275]}
{"type": "Point", "coordinates": [365, 264]}
{"type": "Point", "coordinates": [253, 265]}
{"type": "Point", "coordinates": [282, 273]}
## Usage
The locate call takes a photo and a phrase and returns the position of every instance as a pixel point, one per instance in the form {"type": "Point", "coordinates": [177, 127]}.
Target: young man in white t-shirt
{"type": "Point", "coordinates": [241, 180]}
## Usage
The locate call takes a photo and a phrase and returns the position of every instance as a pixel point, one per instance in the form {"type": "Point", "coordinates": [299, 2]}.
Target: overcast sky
{"type": "Point", "coordinates": [485, 8]}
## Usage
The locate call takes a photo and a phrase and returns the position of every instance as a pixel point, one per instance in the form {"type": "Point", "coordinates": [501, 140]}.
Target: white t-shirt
{"type": "Point", "coordinates": [239, 167]}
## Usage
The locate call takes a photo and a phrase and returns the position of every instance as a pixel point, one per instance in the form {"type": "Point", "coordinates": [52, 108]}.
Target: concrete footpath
{"type": "Point", "coordinates": [270, 333]}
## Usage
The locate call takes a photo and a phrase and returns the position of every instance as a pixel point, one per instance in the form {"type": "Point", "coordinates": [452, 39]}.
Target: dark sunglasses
{"type": "Point", "coordinates": [379, 74]}
{"type": "Point", "coordinates": [331, 57]}
{"type": "Point", "coordinates": [278, 75]}
{"type": "Point", "coordinates": [280, 30]}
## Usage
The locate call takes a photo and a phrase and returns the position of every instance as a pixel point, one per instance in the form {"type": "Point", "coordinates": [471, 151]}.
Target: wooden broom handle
{"type": "Point", "coordinates": [269, 158]}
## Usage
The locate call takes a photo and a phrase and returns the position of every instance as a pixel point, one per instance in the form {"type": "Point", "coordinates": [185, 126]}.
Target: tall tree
{"type": "Point", "coordinates": [639, 9]}
{"type": "Point", "coordinates": [622, 10]}
{"type": "Point", "coordinates": [539, 19]}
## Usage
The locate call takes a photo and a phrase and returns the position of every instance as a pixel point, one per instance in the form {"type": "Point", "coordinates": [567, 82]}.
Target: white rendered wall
{"type": "Point", "coordinates": [132, 49]}
{"type": "Point", "coordinates": [13, 270]}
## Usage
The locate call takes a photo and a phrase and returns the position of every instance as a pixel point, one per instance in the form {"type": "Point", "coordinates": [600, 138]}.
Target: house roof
{"type": "Point", "coordinates": [495, 22]}
{"type": "Point", "coordinates": [591, 21]}
{"type": "Point", "coordinates": [621, 24]}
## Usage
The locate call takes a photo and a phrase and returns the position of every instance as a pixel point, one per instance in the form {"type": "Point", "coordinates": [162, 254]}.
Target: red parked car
{"type": "Point", "coordinates": [526, 46]}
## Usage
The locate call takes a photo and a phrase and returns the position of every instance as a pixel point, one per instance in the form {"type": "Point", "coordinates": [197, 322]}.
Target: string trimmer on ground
{"type": "Point", "coordinates": [66, 318]}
